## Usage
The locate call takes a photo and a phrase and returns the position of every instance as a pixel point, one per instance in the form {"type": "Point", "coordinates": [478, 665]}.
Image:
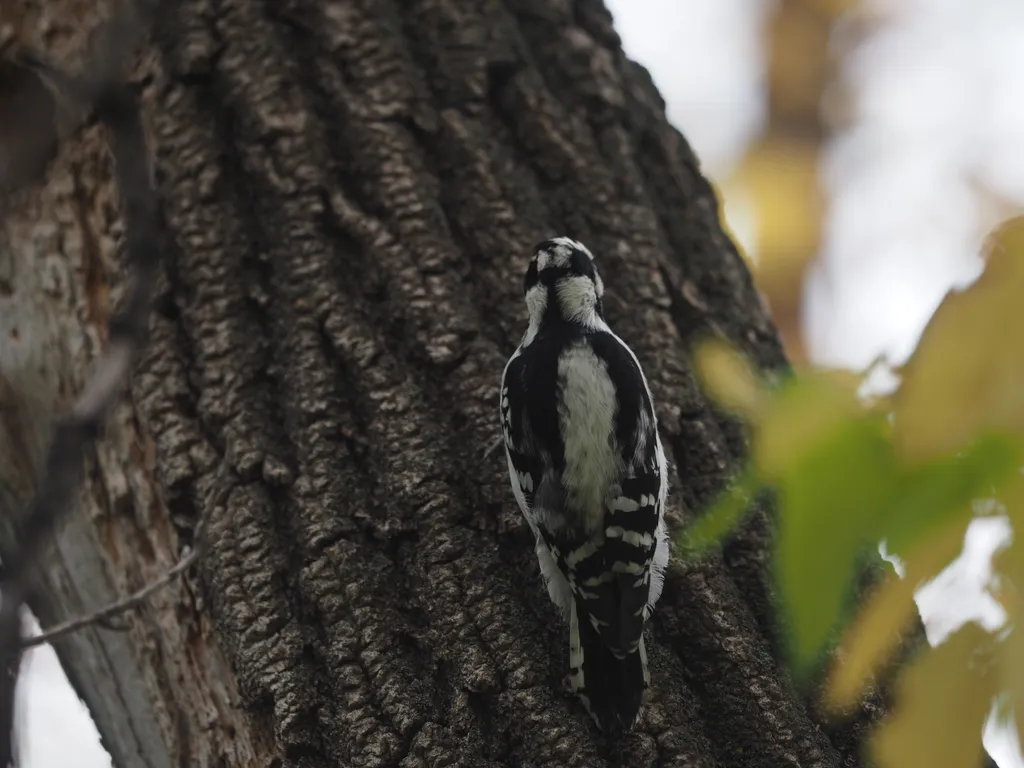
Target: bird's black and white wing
{"type": "Point", "coordinates": [617, 575]}
{"type": "Point", "coordinates": [610, 548]}
{"type": "Point", "coordinates": [527, 437]}
{"type": "Point", "coordinates": [524, 461]}
{"type": "Point", "coordinates": [588, 472]}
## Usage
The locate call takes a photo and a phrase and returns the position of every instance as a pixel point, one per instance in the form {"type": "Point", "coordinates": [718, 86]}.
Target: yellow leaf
{"type": "Point", "coordinates": [728, 377]}
{"type": "Point", "coordinates": [876, 632]}
{"type": "Point", "coordinates": [965, 375]}
{"type": "Point", "coordinates": [1008, 563]}
{"type": "Point", "coordinates": [1012, 673]}
{"type": "Point", "coordinates": [780, 176]}
{"type": "Point", "coordinates": [942, 700]}
{"type": "Point", "coordinates": [1008, 566]}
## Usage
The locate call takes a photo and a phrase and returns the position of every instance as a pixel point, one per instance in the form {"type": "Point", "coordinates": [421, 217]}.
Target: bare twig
{"type": "Point", "coordinates": [116, 608]}
{"type": "Point", "coordinates": [116, 106]}
{"type": "Point", "coordinates": [490, 451]}
{"type": "Point", "coordinates": [40, 104]}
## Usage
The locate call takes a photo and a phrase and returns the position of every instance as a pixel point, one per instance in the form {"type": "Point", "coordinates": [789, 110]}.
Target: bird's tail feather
{"type": "Point", "coordinates": [611, 688]}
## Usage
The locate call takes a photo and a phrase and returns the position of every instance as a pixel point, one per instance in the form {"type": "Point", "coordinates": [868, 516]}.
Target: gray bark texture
{"type": "Point", "coordinates": [353, 189]}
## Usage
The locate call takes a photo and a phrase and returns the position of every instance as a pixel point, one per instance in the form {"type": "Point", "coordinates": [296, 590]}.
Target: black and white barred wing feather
{"type": "Point", "coordinates": [524, 462]}
{"type": "Point", "coordinates": [532, 475]}
{"type": "Point", "coordinates": [603, 567]}
{"type": "Point", "coordinates": [621, 579]}
{"type": "Point", "coordinates": [616, 580]}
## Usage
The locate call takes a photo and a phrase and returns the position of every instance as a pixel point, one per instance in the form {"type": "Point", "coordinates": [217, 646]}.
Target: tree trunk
{"type": "Point", "coordinates": [353, 189]}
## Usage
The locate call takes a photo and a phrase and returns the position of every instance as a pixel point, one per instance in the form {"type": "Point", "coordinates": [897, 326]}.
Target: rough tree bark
{"type": "Point", "coordinates": [353, 188]}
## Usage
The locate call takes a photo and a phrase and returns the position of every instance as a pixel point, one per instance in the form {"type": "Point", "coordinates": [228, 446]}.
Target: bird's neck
{"type": "Point", "coordinates": [559, 319]}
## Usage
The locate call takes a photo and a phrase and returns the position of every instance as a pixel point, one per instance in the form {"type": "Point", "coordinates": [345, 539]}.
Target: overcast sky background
{"type": "Point", "coordinates": [938, 131]}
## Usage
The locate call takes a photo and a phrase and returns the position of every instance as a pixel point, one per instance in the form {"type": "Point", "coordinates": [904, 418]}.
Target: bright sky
{"type": "Point", "coordinates": [938, 118]}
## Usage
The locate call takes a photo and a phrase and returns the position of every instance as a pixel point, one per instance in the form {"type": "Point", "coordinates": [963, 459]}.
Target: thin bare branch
{"type": "Point", "coordinates": [116, 608]}
{"type": "Point", "coordinates": [491, 450]}
{"type": "Point", "coordinates": [103, 92]}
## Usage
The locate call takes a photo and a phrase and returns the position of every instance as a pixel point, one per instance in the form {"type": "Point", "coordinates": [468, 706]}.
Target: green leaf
{"type": "Point", "coordinates": [928, 495]}
{"type": "Point", "coordinates": [877, 630]}
{"type": "Point", "coordinates": [830, 501]}
{"type": "Point", "coordinates": [801, 413]}
{"type": "Point", "coordinates": [720, 519]}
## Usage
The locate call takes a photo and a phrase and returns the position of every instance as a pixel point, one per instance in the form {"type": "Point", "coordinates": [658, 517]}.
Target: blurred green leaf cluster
{"type": "Point", "coordinates": [909, 469]}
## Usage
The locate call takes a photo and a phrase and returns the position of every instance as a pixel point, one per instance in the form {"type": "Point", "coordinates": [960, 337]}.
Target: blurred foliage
{"type": "Point", "coordinates": [779, 175]}
{"type": "Point", "coordinates": [911, 469]}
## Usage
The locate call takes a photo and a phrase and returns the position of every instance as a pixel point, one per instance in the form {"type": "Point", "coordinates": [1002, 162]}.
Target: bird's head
{"type": "Point", "coordinates": [562, 284]}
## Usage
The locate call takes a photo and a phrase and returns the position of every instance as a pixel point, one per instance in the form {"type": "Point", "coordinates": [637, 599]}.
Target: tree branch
{"type": "Point", "coordinates": [116, 608]}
